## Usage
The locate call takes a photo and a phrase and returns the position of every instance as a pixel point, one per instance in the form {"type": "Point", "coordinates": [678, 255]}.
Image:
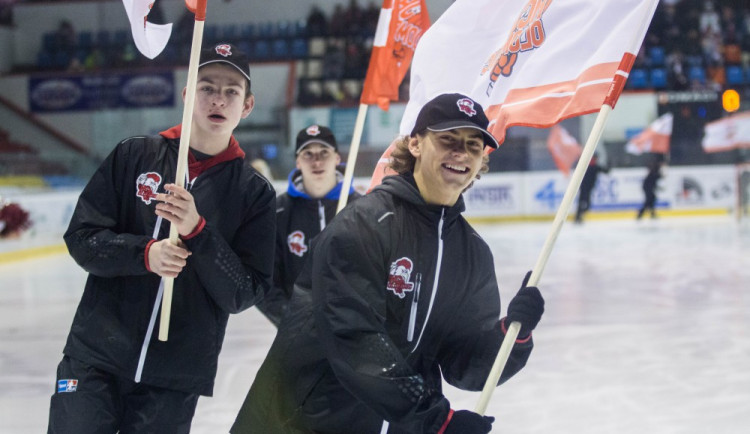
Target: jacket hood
{"type": "Point", "coordinates": [296, 188]}
{"type": "Point", "coordinates": [404, 186]}
{"type": "Point", "coordinates": [195, 166]}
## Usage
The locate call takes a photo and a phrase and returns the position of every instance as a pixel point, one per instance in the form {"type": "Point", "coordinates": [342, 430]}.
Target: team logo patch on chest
{"type": "Point", "coordinates": [147, 185]}
{"type": "Point", "coordinates": [400, 276]}
{"type": "Point", "coordinates": [296, 243]}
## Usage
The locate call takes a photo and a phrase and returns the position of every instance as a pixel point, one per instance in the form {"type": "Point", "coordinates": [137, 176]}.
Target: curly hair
{"type": "Point", "coordinates": [402, 161]}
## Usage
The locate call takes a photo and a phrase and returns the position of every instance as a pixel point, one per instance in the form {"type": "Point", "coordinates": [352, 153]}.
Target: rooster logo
{"type": "Point", "coordinates": [296, 243]}
{"type": "Point", "coordinates": [467, 106]}
{"type": "Point", "coordinates": [224, 50]}
{"type": "Point", "coordinates": [147, 185]}
{"type": "Point", "coordinates": [313, 130]}
{"type": "Point", "coordinates": [400, 274]}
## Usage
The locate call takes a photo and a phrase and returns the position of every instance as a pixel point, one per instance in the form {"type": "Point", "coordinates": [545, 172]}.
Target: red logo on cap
{"type": "Point", "coordinates": [224, 50]}
{"type": "Point", "coordinates": [313, 130]}
{"type": "Point", "coordinates": [467, 106]}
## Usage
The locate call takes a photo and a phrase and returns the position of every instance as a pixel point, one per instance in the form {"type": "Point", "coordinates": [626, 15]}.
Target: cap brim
{"type": "Point", "coordinates": [228, 63]}
{"type": "Point", "coordinates": [309, 142]}
{"type": "Point", "coordinates": [489, 140]}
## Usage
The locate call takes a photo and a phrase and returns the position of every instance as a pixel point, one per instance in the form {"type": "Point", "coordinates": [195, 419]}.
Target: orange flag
{"type": "Point", "coordinates": [400, 26]}
{"type": "Point", "coordinates": [564, 148]}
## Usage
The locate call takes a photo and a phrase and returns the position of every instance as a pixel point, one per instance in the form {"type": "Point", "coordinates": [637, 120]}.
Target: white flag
{"type": "Point", "coordinates": [529, 62]}
{"type": "Point", "coordinates": [149, 38]}
{"type": "Point", "coordinates": [726, 134]}
{"type": "Point", "coordinates": [655, 138]}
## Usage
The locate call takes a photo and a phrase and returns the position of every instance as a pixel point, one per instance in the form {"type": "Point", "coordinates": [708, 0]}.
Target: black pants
{"type": "Point", "coordinates": [649, 204]}
{"type": "Point", "coordinates": [101, 403]}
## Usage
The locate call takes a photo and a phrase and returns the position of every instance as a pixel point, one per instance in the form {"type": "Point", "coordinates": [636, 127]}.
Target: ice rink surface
{"type": "Point", "coordinates": [647, 330]}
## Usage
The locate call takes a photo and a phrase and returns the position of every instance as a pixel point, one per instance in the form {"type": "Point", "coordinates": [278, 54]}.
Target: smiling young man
{"type": "Point", "coordinates": [116, 376]}
{"type": "Point", "coordinates": [398, 292]}
{"type": "Point", "coordinates": [303, 211]}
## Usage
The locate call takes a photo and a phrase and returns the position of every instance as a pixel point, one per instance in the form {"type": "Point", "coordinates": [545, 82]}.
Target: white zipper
{"type": "Point", "coordinates": [157, 303]}
{"type": "Point", "coordinates": [435, 280]}
{"type": "Point", "coordinates": [321, 215]}
{"type": "Point", "coordinates": [152, 320]}
{"type": "Point", "coordinates": [414, 305]}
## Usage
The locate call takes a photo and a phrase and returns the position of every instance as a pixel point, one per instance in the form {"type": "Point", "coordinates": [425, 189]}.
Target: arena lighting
{"type": "Point", "coordinates": [730, 100]}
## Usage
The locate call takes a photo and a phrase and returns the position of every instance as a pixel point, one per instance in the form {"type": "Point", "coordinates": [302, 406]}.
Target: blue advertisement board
{"type": "Point", "coordinates": [102, 91]}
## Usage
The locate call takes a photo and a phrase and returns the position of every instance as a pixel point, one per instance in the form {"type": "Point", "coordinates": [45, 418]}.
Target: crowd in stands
{"type": "Point", "coordinates": [695, 45]}
{"type": "Point", "coordinates": [691, 44]}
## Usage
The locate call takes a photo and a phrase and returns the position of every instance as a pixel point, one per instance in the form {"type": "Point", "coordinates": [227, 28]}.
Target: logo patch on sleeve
{"type": "Point", "coordinates": [399, 276]}
{"type": "Point", "coordinates": [67, 385]}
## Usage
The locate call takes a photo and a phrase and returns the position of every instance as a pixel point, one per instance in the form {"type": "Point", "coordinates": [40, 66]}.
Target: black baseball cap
{"type": "Point", "coordinates": [229, 54]}
{"type": "Point", "coordinates": [450, 111]}
{"type": "Point", "coordinates": [316, 134]}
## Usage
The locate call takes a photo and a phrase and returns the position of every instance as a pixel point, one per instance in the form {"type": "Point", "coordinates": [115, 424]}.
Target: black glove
{"type": "Point", "coordinates": [526, 307]}
{"type": "Point", "coordinates": [468, 422]}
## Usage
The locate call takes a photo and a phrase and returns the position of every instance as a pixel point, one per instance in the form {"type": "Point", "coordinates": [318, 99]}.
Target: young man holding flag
{"type": "Point", "coordinates": [115, 374]}
{"type": "Point", "coordinates": [397, 293]}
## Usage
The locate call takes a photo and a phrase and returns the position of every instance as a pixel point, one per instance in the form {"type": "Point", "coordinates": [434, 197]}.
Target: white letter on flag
{"type": "Point", "coordinates": [149, 38]}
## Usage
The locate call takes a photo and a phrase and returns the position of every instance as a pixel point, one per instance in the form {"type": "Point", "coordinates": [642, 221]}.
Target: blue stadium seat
{"type": "Point", "coordinates": [697, 73]}
{"type": "Point", "coordinates": [638, 79]}
{"type": "Point", "coordinates": [229, 33]}
{"type": "Point", "coordinates": [44, 59]}
{"type": "Point", "coordinates": [49, 41]}
{"type": "Point", "coordinates": [658, 78]}
{"type": "Point", "coordinates": [280, 49]}
{"type": "Point", "coordinates": [299, 48]}
{"type": "Point", "coordinates": [211, 34]}
{"type": "Point", "coordinates": [261, 50]}
{"type": "Point", "coordinates": [85, 40]}
{"type": "Point", "coordinates": [249, 31]}
{"type": "Point", "coordinates": [735, 75]}
{"type": "Point", "coordinates": [656, 54]}
{"type": "Point", "coordinates": [103, 39]}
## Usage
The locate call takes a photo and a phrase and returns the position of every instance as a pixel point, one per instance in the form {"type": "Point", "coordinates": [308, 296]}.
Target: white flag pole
{"type": "Point", "coordinates": [351, 159]}
{"type": "Point", "coordinates": [182, 156]}
{"type": "Point", "coordinates": [562, 213]}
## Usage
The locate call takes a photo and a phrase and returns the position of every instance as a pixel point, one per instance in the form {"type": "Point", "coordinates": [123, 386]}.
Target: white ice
{"type": "Point", "coordinates": [647, 330]}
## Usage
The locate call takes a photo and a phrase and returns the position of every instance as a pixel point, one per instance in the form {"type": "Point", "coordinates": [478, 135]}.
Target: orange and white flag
{"type": "Point", "coordinates": [655, 138]}
{"type": "Point", "coordinates": [400, 26]}
{"type": "Point", "coordinates": [150, 39]}
{"type": "Point", "coordinates": [529, 62]}
{"type": "Point", "coordinates": [727, 134]}
{"type": "Point", "coordinates": [564, 148]}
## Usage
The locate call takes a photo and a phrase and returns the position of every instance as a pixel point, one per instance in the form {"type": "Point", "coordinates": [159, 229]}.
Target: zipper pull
{"type": "Point", "coordinates": [414, 304]}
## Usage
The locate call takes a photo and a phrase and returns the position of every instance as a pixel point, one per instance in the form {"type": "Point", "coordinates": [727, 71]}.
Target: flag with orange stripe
{"type": "Point", "coordinates": [564, 148]}
{"type": "Point", "coordinates": [529, 62]}
{"type": "Point", "coordinates": [655, 138]}
{"type": "Point", "coordinates": [400, 26]}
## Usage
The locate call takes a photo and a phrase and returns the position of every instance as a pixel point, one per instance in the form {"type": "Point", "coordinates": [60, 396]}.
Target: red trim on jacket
{"type": "Point", "coordinates": [196, 167]}
{"type": "Point", "coordinates": [447, 421]}
{"type": "Point", "coordinates": [145, 255]}
{"type": "Point", "coordinates": [505, 332]}
{"type": "Point", "coordinates": [198, 228]}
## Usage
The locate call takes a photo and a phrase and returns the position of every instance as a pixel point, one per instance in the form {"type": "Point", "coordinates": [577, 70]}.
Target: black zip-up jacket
{"type": "Point", "coordinates": [299, 218]}
{"type": "Point", "coordinates": [395, 293]}
{"type": "Point", "coordinates": [116, 325]}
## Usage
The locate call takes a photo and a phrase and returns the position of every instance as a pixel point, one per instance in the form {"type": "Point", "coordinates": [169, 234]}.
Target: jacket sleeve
{"type": "Point", "coordinates": [349, 305]}
{"type": "Point", "coordinates": [237, 276]}
{"type": "Point", "coordinates": [467, 356]}
{"type": "Point", "coordinates": [276, 302]}
{"type": "Point", "coordinates": [95, 237]}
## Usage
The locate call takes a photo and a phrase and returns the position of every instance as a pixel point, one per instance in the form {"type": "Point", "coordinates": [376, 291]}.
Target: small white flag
{"type": "Point", "coordinates": [149, 38]}
{"type": "Point", "coordinates": [655, 138]}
